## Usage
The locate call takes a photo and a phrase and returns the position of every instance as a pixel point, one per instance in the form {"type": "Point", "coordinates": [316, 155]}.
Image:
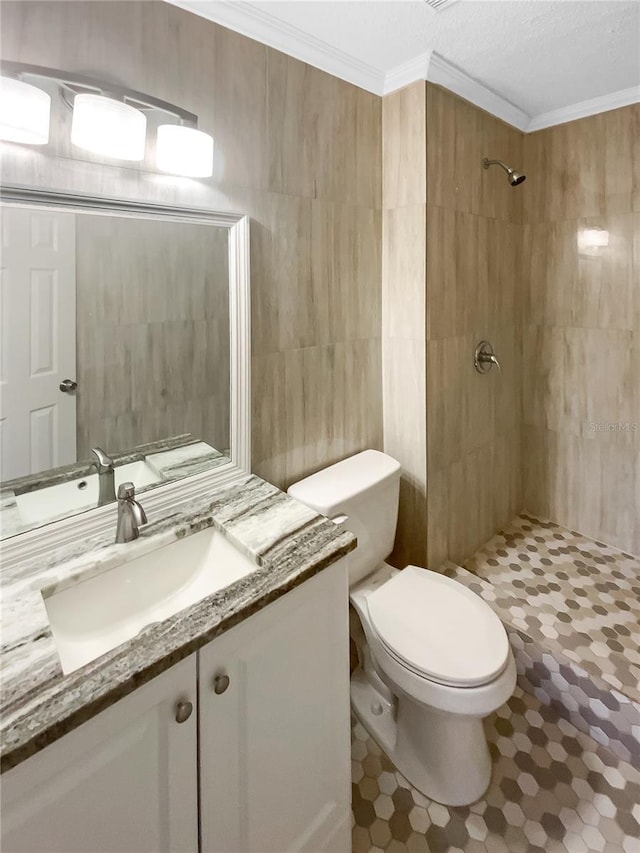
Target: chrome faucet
{"type": "Point", "coordinates": [131, 515]}
{"type": "Point", "coordinates": [104, 466]}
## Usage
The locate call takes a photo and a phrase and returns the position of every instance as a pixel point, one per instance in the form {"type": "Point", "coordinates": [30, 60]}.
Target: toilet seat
{"type": "Point", "coordinates": [438, 629]}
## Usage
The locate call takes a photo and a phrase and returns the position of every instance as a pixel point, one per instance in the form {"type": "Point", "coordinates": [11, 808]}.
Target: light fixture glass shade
{"type": "Point", "coordinates": [24, 112]}
{"type": "Point", "coordinates": [108, 127]}
{"type": "Point", "coordinates": [184, 151]}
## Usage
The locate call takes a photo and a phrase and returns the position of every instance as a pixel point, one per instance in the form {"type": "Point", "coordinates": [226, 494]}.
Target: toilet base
{"type": "Point", "coordinates": [444, 756]}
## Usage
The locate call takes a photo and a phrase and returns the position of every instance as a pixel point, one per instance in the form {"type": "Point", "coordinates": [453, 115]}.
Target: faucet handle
{"type": "Point", "coordinates": [126, 491]}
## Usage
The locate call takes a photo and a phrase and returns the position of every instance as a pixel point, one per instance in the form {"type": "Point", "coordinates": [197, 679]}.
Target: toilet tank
{"type": "Point", "coordinates": [364, 488]}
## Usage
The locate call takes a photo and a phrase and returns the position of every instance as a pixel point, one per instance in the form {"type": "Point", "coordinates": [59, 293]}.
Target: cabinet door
{"type": "Point", "coordinates": [123, 782]}
{"type": "Point", "coordinates": [274, 745]}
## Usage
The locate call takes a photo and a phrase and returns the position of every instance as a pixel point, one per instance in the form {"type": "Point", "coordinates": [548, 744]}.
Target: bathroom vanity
{"type": "Point", "coordinates": [223, 727]}
{"type": "Point", "coordinates": [188, 690]}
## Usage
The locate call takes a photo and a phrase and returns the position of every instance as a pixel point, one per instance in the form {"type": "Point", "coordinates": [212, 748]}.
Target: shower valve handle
{"type": "Point", "coordinates": [484, 358]}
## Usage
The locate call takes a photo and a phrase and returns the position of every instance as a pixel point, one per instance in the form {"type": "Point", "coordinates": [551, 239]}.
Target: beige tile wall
{"type": "Point", "coordinates": [152, 343]}
{"type": "Point", "coordinates": [582, 327]}
{"type": "Point", "coordinates": [473, 291]}
{"type": "Point", "coordinates": [298, 150]}
{"type": "Point", "coordinates": [404, 310]}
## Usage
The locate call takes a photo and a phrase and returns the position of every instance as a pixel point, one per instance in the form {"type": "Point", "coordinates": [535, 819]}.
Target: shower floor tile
{"type": "Point", "coordinates": [553, 790]}
{"type": "Point", "coordinates": [565, 590]}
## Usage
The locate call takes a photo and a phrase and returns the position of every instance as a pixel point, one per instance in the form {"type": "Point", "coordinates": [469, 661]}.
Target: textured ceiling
{"type": "Point", "coordinates": [540, 55]}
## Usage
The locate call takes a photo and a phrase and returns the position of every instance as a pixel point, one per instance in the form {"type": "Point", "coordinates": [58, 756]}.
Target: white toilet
{"type": "Point", "coordinates": [436, 659]}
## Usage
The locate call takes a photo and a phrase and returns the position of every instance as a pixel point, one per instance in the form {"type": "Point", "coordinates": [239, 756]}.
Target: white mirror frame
{"type": "Point", "coordinates": [164, 499]}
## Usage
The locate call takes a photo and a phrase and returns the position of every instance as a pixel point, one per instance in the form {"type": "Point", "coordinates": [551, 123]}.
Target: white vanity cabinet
{"type": "Point", "coordinates": [268, 733]}
{"type": "Point", "coordinates": [275, 758]}
{"type": "Point", "coordinates": [123, 782]}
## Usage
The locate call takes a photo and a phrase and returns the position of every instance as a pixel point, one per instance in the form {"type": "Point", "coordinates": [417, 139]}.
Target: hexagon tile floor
{"type": "Point", "coordinates": [571, 606]}
{"type": "Point", "coordinates": [553, 790]}
{"type": "Point", "coordinates": [560, 586]}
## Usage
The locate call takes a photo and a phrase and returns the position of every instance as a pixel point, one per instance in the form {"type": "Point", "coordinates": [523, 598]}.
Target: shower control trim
{"type": "Point", "coordinates": [484, 358]}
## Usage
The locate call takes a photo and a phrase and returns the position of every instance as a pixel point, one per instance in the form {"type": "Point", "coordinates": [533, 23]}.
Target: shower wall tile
{"type": "Point", "coordinates": [588, 485]}
{"type": "Point", "coordinates": [459, 136]}
{"type": "Point", "coordinates": [581, 363]}
{"type": "Point", "coordinates": [582, 381]}
{"type": "Point", "coordinates": [589, 167]}
{"type": "Point", "coordinates": [405, 430]}
{"type": "Point", "coordinates": [457, 273]}
{"type": "Point", "coordinates": [504, 277]}
{"type": "Point", "coordinates": [404, 145]}
{"type": "Point", "coordinates": [404, 239]}
{"type": "Point", "coordinates": [599, 374]}
{"type": "Point", "coordinates": [467, 496]}
{"type": "Point", "coordinates": [543, 376]}
{"type": "Point", "coordinates": [507, 474]}
{"type": "Point", "coordinates": [460, 402]}
{"type": "Point", "coordinates": [474, 292]}
{"type": "Point", "coordinates": [507, 384]}
{"type": "Point", "coordinates": [298, 151]}
{"type": "Point", "coordinates": [567, 288]}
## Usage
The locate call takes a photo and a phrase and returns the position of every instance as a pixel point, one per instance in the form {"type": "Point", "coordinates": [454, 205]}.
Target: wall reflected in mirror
{"type": "Point", "coordinates": [115, 337]}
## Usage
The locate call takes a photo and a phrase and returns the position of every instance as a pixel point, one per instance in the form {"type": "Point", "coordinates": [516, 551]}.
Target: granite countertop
{"type": "Point", "coordinates": [172, 459]}
{"type": "Point", "coordinates": [39, 704]}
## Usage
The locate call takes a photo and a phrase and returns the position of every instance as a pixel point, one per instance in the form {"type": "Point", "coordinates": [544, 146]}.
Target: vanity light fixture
{"type": "Point", "coordinates": [24, 112]}
{"type": "Point", "coordinates": [108, 119]}
{"type": "Point", "coordinates": [109, 127]}
{"type": "Point", "coordinates": [184, 151]}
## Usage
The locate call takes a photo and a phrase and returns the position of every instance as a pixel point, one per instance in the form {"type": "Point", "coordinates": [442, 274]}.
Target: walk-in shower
{"type": "Point", "coordinates": [515, 178]}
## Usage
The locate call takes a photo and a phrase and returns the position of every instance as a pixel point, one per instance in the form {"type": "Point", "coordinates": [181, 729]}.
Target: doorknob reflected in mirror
{"type": "Point", "coordinates": [68, 385]}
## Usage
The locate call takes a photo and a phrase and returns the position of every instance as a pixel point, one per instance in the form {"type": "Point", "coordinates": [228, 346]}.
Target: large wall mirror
{"type": "Point", "coordinates": [124, 352]}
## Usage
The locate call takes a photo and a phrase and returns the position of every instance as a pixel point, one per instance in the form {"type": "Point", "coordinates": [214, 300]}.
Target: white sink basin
{"type": "Point", "coordinates": [93, 617]}
{"type": "Point", "coordinates": [64, 498]}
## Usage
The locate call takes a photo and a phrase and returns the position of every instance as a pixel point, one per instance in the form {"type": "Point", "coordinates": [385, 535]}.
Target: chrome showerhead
{"type": "Point", "coordinates": [515, 178]}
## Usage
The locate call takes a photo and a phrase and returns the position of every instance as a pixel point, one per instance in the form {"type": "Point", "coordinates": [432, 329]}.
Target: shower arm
{"type": "Point", "coordinates": [486, 163]}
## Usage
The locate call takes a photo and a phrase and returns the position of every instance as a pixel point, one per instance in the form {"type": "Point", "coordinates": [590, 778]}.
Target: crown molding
{"type": "Point", "coordinates": [407, 73]}
{"type": "Point", "coordinates": [445, 74]}
{"type": "Point", "coordinates": [253, 22]}
{"type": "Point", "coordinates": [583, 109]}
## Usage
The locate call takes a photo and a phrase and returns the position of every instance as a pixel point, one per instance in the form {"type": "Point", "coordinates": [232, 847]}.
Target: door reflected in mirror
{"type": "Point", "coordinates": [115, 356]}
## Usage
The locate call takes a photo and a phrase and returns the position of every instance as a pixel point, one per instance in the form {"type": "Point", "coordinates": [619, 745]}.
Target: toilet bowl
{"type": "Point", "coordinates": [426, 710]}
{"type": "Point", "coordinates": [434, 658]}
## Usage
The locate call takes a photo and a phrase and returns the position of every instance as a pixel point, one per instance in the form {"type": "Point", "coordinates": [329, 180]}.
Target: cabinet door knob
{"type": "Point", "coordinates": [183, 711]}
{"type": "Point", "coordinates": [220, 683]}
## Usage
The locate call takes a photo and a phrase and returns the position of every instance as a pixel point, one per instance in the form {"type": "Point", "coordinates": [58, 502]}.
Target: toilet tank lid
{"type": "Point", "coordinates": [330, 488]}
